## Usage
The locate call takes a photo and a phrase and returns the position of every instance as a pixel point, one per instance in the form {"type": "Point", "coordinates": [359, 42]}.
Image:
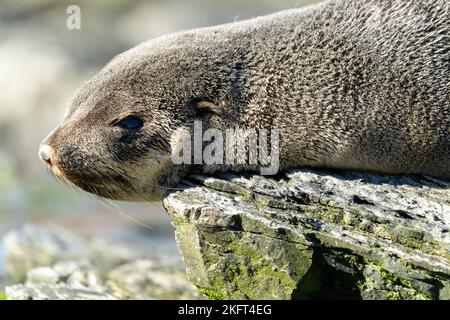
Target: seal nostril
{"type": "Point", "coordinates": [45, 153]}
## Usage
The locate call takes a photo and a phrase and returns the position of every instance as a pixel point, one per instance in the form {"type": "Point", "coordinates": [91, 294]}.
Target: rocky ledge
{"type": "Point", "coordinates": [313, 234]}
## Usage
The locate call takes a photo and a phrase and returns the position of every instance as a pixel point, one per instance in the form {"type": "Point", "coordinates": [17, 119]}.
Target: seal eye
{"type": "Point", "coordinates": [130, 123]}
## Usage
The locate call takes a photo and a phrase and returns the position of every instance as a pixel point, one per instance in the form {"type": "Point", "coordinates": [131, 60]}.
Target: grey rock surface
{"type": "Point", "coordinates": [50, 262]}
{"type": "Point", "coordinates": [314, 234]}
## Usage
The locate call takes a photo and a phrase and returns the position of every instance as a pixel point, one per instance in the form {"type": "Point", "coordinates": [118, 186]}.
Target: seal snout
{"type": "Point", "coordinates": [45, 153]}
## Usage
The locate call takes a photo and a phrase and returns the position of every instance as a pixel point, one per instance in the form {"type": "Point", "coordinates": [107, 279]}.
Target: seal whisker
{"type": "Point", "coordinates": [116, 209]}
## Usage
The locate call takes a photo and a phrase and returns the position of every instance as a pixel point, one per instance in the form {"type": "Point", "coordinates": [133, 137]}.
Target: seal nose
{"type": "Point", "coordinates": [45, 153]}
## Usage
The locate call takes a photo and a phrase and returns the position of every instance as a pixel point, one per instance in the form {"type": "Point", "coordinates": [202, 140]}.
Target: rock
{"type": "Point", "coordinates": [35, 245]}
{"type": "Point", "coordinates": [314, 234]}
{"type": "Point", "coordinates": [44, 245]}
{"type": "Point", "coordinates": [68, 280]}
{"type": "Point", "coordinates": [52, 292]}
{"type": "Point", "coordinates": [42, 275]}
{"type": "Point", "coordinates": [133, 280]}
{"type": "Point", "coordinates": [142, 279]}
{"type": "Point", "coordinates": [65, 280]}
{"type": "Point", "coordinates": [50, 262]}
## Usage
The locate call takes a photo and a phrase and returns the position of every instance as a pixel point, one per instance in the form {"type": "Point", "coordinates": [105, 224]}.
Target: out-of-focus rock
{"type": "Point", "coordinates": [52, 263]}
{"type": "Point", "coordinates": [133, 280]}
{"type": "Point", "coordinates": [315, 235]}
{"type": "Point", "coordinates": [68, 280]}
{"type": "Point", "coordinates": [142, 279]}
{"type": "Point", "coordinates": [35, 245]}
{"type": "Point", "coordinates": [53, 292]}
{"type": "Point", "coordinates": [44, 245]}
{"type": "Point", "coordinates": [42, 275]}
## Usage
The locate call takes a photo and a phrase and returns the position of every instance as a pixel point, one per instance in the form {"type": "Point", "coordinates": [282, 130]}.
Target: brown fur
{"type": "Point", "coordinates": [351, 85]}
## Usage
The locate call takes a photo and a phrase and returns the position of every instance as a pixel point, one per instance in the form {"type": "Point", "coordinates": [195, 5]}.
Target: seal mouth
{"type": "Point", "coordinates": [104, 181]}
{"type": "Point", "coordinates": [100, 184]}
{"type": "Point", "coordinates": [106, 186]}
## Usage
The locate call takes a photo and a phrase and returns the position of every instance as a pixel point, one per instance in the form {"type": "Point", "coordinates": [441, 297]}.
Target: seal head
{"type": "Point", "coordinates": [118, 135]}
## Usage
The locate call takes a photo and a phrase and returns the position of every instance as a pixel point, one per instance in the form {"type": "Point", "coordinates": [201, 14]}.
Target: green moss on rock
{"type": "Point", "coordinates": [315, 235]}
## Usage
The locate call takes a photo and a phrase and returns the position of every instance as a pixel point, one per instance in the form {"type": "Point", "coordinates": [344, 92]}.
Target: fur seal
{"type": "Point", "coordinates": [361, 85]}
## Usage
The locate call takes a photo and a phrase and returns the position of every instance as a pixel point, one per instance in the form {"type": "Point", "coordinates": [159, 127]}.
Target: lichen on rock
{"type": "Point", "coordinates": [314, 234]}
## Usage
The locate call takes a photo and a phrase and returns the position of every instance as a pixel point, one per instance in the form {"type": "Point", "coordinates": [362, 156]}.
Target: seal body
{"type": "Point", "coordinates": [360, 85]}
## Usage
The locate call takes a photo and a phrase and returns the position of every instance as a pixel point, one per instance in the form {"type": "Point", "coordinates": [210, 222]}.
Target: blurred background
{"type": "Point", "coordinates": [42, 63]}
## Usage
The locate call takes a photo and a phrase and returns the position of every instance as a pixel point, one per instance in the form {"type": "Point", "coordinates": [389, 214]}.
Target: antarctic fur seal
{"type": "Point", "coordinates": [350, 84]}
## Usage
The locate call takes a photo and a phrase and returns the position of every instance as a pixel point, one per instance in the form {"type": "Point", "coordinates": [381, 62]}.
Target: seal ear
{"type": "Point", "coordinates": [205, 106]}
